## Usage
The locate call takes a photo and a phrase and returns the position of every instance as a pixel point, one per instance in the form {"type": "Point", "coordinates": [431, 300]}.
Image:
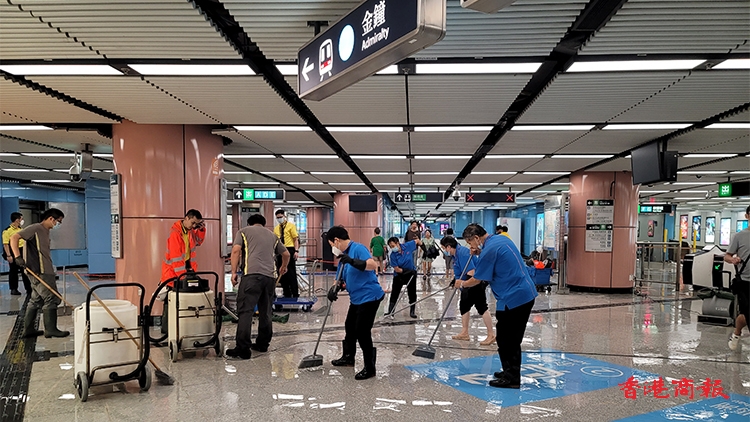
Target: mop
{"type": "Point", "coordinates": [161, 376]}
{"type": "Point", "coordinates": [315, 359]}
{"type": "Point", "coordinates": [411, 304]}
{"type": "Point", "coordinates": [429, 351]}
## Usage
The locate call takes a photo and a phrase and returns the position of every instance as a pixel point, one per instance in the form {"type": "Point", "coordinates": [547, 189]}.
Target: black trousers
{"type": "Point", "coordinates": [255, 289]}
{"type": "Point", "coordinates": [358, 326]}
{"type": "Point", "coordinates": [289, 280]}
{"type": "Point", "coordinates": [398, 283]}
{"type": "Point", "coordinates": [13, 276]}
{"type": "Point", "coordinates": [510, 328]}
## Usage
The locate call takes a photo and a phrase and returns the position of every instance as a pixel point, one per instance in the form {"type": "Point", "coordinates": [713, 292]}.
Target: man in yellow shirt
{"type": "Point", "coordinates": [16, 222]}
{"type": "Point", "coordinates": [289, 237]}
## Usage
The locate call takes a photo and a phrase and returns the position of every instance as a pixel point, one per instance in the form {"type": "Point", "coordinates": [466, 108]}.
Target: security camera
{"type": "Point", "coordinates": [456, 195]}
{"type": "Point", "coordinates": [698, 176]}
{"type": "Point", "coordinates": [75, 171]}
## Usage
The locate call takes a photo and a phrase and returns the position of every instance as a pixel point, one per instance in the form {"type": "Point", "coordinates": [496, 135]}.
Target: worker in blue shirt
{"type": "Point", "coordinates": [365, 295]}
{"type": "Point", "coordinates": [476, 296]}
{"type": "Point", "coordinates": [500, 264]}
{"type": "Point", "coordinates": [404, 272]}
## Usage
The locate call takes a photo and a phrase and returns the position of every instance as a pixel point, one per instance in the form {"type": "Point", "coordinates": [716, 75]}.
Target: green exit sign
{"type": "Point", "coordinates": [725, 189]}
{"type": "Point", "coordinates": [258, 194]}
{"type": "Point", "coordinates": [419, 197]}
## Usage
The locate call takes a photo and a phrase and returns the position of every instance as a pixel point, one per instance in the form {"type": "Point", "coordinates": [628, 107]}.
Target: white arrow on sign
{"type": "Point", "coordinates": [307, 69]}
{"type": "Point", "coordinates": [476, 379]}
{"type": "Point", "coordinates": [399, 197]}
{"type": "Point", "coordinates": [238, 194]}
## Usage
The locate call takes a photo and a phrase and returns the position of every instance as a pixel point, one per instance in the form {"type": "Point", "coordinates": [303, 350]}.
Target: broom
{"type": "Point", "coordinates": [315, 359]}
{"type": "Point", "coordinates": [161, 376]}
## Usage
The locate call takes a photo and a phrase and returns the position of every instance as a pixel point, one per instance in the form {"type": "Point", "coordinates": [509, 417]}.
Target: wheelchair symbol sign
{"type": "Point", "coordinates": [602, 371]}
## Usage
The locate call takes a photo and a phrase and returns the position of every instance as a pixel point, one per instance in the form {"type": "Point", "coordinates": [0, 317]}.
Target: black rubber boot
{"type": "Point", "coordinates": [391, 308]}
{"type": "Point", "coordinates": [369, 370]}
{"type": "Point", "coordinates": [413, 311]}
{"type": "Point", "coordinates": [28, 323]}
{"type": "Point", "coordinates": [347, 358]}
{"type": "Point", "coordinates": [50, 324]}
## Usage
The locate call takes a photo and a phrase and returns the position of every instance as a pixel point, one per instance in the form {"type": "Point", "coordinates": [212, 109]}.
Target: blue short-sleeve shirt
{"type": "Point", "coordinates": [363, 286]}
{"type": "Point", "coordinates": [500, 264]}
{"type": "Point", "coordinates": [405, 258]}
{"type": "Point", "coordinates": [463, 255]}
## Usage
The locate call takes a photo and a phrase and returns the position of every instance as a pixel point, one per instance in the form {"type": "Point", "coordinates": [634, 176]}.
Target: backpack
{"type": "Point", "coordinates": [432, 252]}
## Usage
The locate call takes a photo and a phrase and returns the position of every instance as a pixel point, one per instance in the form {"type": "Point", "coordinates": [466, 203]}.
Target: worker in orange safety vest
{"type": "Point", "coordinates": [185, 235]}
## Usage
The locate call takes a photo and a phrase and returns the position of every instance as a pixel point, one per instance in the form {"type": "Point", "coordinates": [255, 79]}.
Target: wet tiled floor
{"type": "Point", "coordinates": [606, 335]}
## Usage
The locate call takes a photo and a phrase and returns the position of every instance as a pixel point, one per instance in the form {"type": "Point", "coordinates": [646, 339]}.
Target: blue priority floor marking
{"type": "Point", "coordinates": [546, 375]}
{"type": "Point", "coordinates": [736, 409]}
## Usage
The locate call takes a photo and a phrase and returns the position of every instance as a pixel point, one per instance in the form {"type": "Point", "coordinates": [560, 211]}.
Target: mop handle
{"type": "Point", "coordinates": [424, 298]}
{"type": "Point", "coordinates": [39, 279]}
{"type": "Point", "coordinates": [330, 305]}
{"type": "Point", "coordinates": [443, 316]}
{"type": "Point", "coordinates": [463, 273]}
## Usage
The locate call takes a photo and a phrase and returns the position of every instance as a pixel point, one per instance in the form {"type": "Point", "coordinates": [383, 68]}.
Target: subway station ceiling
{"type": "Point", "coordinates": [466, 129]}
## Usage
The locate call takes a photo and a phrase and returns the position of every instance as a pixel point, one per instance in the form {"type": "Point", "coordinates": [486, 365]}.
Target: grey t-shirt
{"type": "Point", "coordinates": [36, 252]}
{"type": "Point", "coordinates": [740, 245]}
{"type": "Point", "coordinates": [259, 249]}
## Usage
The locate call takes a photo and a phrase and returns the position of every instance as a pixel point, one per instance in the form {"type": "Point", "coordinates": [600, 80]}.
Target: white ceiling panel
{"type": "Point", "coordinates": [739, 117]}
{"type": "Point", "coordinates": [318, 164]}
{"type": "Point", "coordinates": [233, 100]}
{"type": "Point", "coordinates": [144, 29]}
{"type": "Point", "coordinates": [732, 164]}
{"type": "Point", "coordinates": [373, 143]}
{"type": "Point", "coordinates": [611, 141]}
{"type": "Point", "coordinates": [596, 97]}
{"type": "Point", "coordinates": [34, 106]}
{"type": "Point", "coordinates": [712, 141]}
{"type": "Point", "coordinates": [446, 143]}
{"type": "Point", "coordinates": [377, 100]}
{"type": "Point", "coordinates": [26, 37]}
{"type": "Point", "coordinates": [462, 99]}
{"type": "Point", "coordinates": [525, 28]}
{"type": "Point", "coordinates": [535, 142]}
{"type": "Point", "coordinates": [397, 165]}
{"type": "Point", "coordinates": [562, 164]}
{"type": "Point", "coordinates": [505, 164]}
{"type": "Point", "coordinates": [695, 98]}
{"type": "Point", "coordinates": [438, 165]}
{"type": "Point", "coordinates": [266, 165]}
{"type": "Point", "coordinates": [287, 142]}
{"type": "Point", "coordinates": [131, 98]}
{"type": "Point", "coordinates": [674, 26]}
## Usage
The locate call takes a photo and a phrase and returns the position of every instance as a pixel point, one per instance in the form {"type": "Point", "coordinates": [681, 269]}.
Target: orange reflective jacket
{"type": "Point", "coordinates": [174, 260]}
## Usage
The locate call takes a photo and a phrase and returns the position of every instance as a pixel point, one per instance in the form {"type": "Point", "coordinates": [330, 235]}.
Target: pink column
{"type": "Point", "coordinates": [166, 170]}
{"type": "Point", "coordinates": [314, 232]}
{"type": "Point", "coordinates": [602, 270]}
{"type": "Point", "coordinates": [360, 225]}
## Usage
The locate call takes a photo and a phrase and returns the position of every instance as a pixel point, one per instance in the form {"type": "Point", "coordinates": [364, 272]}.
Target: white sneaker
{"type": "Point", "coordinates": [734, 341]}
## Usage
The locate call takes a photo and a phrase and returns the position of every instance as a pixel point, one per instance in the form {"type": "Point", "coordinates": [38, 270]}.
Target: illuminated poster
{"type": "Point", "coordinates": [710, 229]}
{"type": "Point", "coordinates": [539, 229]}
{"type": "Point", "coordinates": [741, 225]}
{"type": "Point", "coordinates": [697, 228]}
{"type": "Point", "coordinates": [551, 228]}
{"type": "Point", "coordinates": [726, 230]}
{"type": "Point", "coordinates": [684, 226]}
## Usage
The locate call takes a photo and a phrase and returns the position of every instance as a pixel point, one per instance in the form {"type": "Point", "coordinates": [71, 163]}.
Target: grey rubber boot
{"type": "Point", "coordinates": [50, 324]}
{"type": "Point", "coordinates": [28, 323]}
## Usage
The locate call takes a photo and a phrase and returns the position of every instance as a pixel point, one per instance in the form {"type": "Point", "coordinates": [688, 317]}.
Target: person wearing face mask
{"type": "Point", "coordinates": [365, 294]}
{"type": "Point", "coordinates": [472, 296]}
{"type": "Point", "coordinates": [36, 257]}
{"type": "Point", "coordinates": [500, 264]}
{"type": "Point", "coordinates": [290, 239]}
{"type": "Point", "coordinates": [413, 234]}
{"type": "Point", "coordinates": [404, 272]}
{"type": "Point", "coordinates": [16, 222]}
{"type": "Point", "coordinates": [184, 237]}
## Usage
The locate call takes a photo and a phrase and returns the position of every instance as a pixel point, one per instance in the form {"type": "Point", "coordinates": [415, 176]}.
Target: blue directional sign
{"type": "Point", "coordinates": [376, 34]}
{"type": "Point", "coordinates": [544, 375]}
{"type": "Point", "coordinates": [736, 409]}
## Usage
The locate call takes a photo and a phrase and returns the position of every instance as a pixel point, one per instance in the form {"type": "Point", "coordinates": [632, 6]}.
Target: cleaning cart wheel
{"type": "Point", "coordinates": [306, 308]}
{"type": "Point", "coordinates": [277, 308]}
{"type": "Point", "coordinates": [144, 380]}
{"type": "Point", "coordinates": [219, 347]}
{"type": "Point", "coordinates": [173, 351]}
{"type": "Point", "coordinates": [82, 386]}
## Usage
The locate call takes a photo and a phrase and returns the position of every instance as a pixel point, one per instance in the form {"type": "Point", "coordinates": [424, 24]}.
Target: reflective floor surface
{"type": "Point", "coordinates": [582, 352]}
